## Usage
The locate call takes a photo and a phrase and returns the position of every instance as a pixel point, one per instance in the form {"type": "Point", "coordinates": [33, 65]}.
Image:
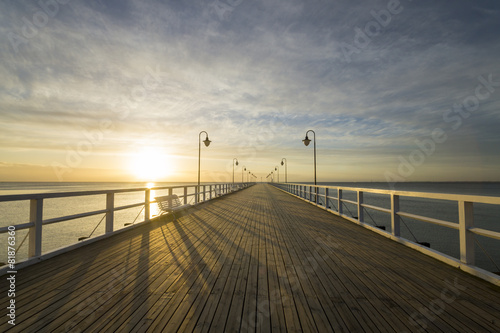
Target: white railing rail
{"type": "Point", "coordinates": [37, 222]}
{"type": "Point", "coordinates": [465, 206]}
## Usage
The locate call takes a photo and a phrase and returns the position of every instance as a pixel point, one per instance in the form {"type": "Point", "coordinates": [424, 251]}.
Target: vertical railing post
{"type": "Point", "coordinates": [466, 221]}
{"type": "Point", "coordinates": [110, 212]}
{"type": "Point", "coordinates": [185, 195]}
{"type": "Point", "coordinates": [339, 201]}
{"type": "Point", "coordinates": [147, 206]}
{"type": "Point", "coordinates": [361, 215]}
{"type": "Point", "coordinates": [196, 190]}
{"type": "Point", "coordinates": [210, 192]}
{"type": "Point", "coordinates": [204, 193]}
{"type": "Point", "coordinates": [327, 194]}
{"type": "Point", "coordinates": [395, 219]}
{"type": "Point", "coordinates": [316, 194]}
{"type": "Point", "coordinates": [35, 232]}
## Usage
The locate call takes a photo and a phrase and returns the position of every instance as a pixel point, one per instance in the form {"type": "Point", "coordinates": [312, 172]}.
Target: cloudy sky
{"type": "Point", "coordinates": [110, 90]}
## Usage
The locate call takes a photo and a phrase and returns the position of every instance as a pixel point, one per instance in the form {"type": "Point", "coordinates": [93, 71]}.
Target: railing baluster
{"type": "Point", "coordinates": [395, 219]}
{"type": "Point", "coordinates": [35, 232]}
{"type": "Point", "coordinates": [147, 206]}
{"type": "Point", "coordinates": [361, 215]}
{"type": "Point", "coordinates": [327, 194]}
{"type": "Point", "coordinates": [204, 193]}
{"type": "Point", "coordinates": [466, 221]}
{"type": "Point", "coordinates": [339, 201]}
{"type": "Point", "coordinates": [185, 195]}
{"type": "Point", "coordinates": [110, 212]}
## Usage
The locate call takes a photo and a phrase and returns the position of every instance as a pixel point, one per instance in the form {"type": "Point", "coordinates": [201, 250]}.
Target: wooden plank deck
{"type": "Point", "coordinates": [257, 260]}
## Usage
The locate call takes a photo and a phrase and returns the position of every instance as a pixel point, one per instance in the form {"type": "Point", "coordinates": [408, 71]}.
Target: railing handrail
{"type": "Point", "coordinates": [51, 195]}
{"type": "Point", "coordinates": [37, 220]}
{"type": "Point", "coordinates": [416, 194]}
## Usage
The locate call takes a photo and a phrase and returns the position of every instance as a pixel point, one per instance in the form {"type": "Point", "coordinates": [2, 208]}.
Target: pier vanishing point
{"type": "Point", "coordinates": [255, 260]}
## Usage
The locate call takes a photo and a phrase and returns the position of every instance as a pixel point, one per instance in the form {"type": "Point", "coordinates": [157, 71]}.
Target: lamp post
{"type": "Point", "coordinates": [207, 143]}
{"type": "Point", "coordinates": [248, 174]}
{"type": "Point", "coordinates": [234, 159]}
{"type": "Point", "coordinates": [306, 142]}
{"type": "Point", "coordinates": [286, 171]}
{"type": "Point", "coordinates": [277, 168]}
{"type": "Point", "coordinates": [243, 168]}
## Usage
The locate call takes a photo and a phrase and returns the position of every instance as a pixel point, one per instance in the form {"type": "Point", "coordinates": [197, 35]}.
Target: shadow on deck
{"type": "Point", "coordinates": [258, 259]}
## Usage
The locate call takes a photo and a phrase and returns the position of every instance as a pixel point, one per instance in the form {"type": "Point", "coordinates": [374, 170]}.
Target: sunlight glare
{"type": "Point", "coordinates": [151, 164]}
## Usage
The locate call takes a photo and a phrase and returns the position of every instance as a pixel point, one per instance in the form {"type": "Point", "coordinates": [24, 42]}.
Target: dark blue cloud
{"type": "Point", "coordinates": [250, 64]}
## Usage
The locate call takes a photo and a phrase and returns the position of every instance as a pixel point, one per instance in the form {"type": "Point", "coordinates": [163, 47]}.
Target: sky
{"type": "Point", "coordinates": [121, 90]}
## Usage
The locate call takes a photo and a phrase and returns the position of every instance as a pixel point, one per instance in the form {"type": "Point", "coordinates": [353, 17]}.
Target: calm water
{"type": "Point", "coordinates": [441, 239]}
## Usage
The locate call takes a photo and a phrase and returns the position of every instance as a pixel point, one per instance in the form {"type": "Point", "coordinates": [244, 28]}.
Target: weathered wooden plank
{"type": "Point", "coordinates": [257, 260]}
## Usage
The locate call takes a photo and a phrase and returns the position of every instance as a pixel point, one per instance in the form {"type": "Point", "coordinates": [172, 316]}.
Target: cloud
{"type": "Point", "coordinates": [256, 75]}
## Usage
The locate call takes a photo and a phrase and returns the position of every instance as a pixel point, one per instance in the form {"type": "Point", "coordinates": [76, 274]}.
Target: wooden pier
{"type": "Point", "coordinates": [256, 260]}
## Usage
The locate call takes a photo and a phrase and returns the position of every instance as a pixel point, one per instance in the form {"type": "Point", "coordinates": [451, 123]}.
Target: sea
{"type": "Point", "coordinates": [442, 239]}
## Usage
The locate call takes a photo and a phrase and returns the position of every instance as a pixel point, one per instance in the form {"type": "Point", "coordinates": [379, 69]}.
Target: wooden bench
{"type": "Point", "coordinates": [170, 204]}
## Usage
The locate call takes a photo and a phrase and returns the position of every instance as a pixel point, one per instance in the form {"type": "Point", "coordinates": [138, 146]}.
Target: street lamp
{"type": "Point", "coordinates": [277, 168]}
{"type": "Point", "coordinates": [243, 168]}
{"type": "Point", "coordinates": [286, 171]}
{"type": "Point", "coordinates": [234, 159]}
{"type": "Point", "coordinates": [207, 143]}
{"type": "Point", "coordinates": [306, 142]}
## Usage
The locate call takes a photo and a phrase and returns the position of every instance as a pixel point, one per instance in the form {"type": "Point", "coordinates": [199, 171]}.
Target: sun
{"type": "Point", "coordinates": [151, 164]}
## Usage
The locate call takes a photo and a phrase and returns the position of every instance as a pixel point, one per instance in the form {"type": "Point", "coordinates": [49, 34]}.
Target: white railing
{"type": "Point", "coordinates": [36, 210]}
{"type": "Point", "coordinates": [322, 196]}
